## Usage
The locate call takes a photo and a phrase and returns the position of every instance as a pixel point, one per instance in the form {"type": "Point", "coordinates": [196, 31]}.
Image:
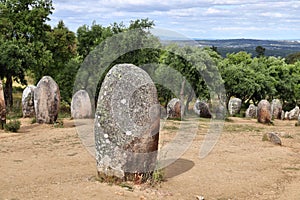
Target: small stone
{"type": "Point", "coordinates": [274, 138]}
{"type": "Point", "coordinates": [201, 108]}
{"type": "Point", "coordinates": [174, 108]}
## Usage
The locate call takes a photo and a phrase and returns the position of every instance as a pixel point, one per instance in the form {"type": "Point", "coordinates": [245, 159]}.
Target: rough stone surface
{"type": "Point", "coordinates": [274, 138]}
{"type": "Point", "coordinates": [282, 115]}
{"type": "Point", "coordinates": [293, 114]}
{"type": "Point", "coordinates": [81, 106]}
{"type": "Point", "coordinates": [2, 106]}
{"type": "Point", "coordinates": [28, 101]}
{"type": "Point", "coordinates": [201, 108]}
{"type": "Point", "coordinates": [127, 121]}
{"type": "Point", "coordinates": [264, 112]}
{"type": "Point", "coordinates": [174, 108]}
{"type": "Point", "coordinates": [276, 109]}
{"type": "Point", "coordinates": [234, 106]}
{"type": "Point", "coordinates": [286, 114]}
{"type": "Point", "coordinates": [46, 100]}
{"type": "Point", "coordinates": [251, 111]}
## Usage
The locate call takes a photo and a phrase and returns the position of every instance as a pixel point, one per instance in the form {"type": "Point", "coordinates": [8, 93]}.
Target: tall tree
{"type": "Point", "coordinates": [22, 31]}
{"type": "Point", "coordinates": [62, 43]}
{"type": "Point", "coordinates": [260, 51]}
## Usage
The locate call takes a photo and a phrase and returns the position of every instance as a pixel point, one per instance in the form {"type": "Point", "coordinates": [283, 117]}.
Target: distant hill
{"type": "Point", "coordinates": [278, 48]}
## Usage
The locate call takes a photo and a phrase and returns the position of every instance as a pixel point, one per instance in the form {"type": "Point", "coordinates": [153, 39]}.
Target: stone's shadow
{"type": "Point", "coordinates": [178, 167]}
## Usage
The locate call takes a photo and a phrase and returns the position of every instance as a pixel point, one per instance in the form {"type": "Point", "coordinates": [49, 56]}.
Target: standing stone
{"type": "Point", "coordinates": [293, 114]}
{"type": "Point", "coordinates": [2, 106]}
{"type": "Point", "coordinates": [201, 108]}
{"type": "Point", "coordinates": [282, 115]}
{"type": "Point", "coordinates": [174, 108]}
{"type": "Point", "coordinates": [264, 112]}
{"type": "Point", "coordinates": [127, 121]}
{"type": "Point", "coordinates": [286, 115]}
{"type": "Point", "coordinates": [28, 101]}
{"type": "Point", "coordinates": [251, 111]}
{"type": "Point", "coordinates": [276, 109]}
{"type": "Point", "coordinates": [46, 100]}
{"type": "Point", "coordinates": [81, 106]}
{"type": "Point", "coordinates": [234, 106]}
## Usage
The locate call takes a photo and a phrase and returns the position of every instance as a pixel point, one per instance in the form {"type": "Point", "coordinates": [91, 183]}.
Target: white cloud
{"type": "Point", "coordinates": [195, 18]}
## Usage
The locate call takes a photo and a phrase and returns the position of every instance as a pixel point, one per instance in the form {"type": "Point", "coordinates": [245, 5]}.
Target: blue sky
{"type": "Point", "coordinates": [209, 19]}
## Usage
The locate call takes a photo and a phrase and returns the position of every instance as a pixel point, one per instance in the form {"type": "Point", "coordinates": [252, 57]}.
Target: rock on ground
{"type": "Point", "coordinates": [46, 100]}
{"type": "Point", "coordinates": [174, 108]}
{"type": "Point", "coordinates": [201, 108]}
{"type": "Point", "coordinates": [28, 101]}
{"type": "Point", "coordinates": [293, 114]}
{"type": "Point", "coordinates": [276, 108]}
{"type": "Point", "coordinates": [81, 106]}
{"type": "Point", "coordinates": [234, 106]}
{"type": "Point", "coordinates": [127, 121]}
{"type": "Point", "coordinates": [273, 137]}
{"type": "Point", "coordinates": [251, 111]}
{"type": "Point", "coordinates": [264, 112]}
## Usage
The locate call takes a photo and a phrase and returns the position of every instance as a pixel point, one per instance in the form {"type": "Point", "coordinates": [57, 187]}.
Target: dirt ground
{"type": "Point", "coordinates": [44, 162]}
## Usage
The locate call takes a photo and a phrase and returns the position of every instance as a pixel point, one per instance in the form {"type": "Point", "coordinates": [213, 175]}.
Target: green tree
{"type": "Point", "coordinates": [62, 43]}
{"type": "Point", "coordinates": [198, 69]}
{"type": "Point", "coordinates": [292, 58]}
{"type": "Point", "coordinates": [89, 37]}
{"type": "Point", "coordinates": [22, 31]}
{"type": "Point", "coordinates": [104, 48]}
{"type": "Point", "coordinates": [238, 76]}
{"type": "Point", "coordinates": [260, 51]}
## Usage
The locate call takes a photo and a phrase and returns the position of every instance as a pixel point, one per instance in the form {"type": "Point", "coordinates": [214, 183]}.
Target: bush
{"type": "Point", "coordinates": [13, 126]}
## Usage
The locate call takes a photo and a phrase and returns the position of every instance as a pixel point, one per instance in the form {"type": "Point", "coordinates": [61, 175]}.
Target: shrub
{"type": "Point", "coordinates": [13, 126]}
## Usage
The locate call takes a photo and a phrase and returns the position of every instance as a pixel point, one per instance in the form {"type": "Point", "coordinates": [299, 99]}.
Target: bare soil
{"type": "Point", "coordinates": [44, 162]}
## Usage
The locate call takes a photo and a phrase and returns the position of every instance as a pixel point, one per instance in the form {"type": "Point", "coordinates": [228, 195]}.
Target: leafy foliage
{"type": "Point", "coordinates": [12, 126]}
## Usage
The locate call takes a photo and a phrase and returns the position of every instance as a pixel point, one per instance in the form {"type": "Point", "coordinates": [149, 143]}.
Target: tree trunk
{"type": "Point", "coordinates": [8, 92]}
{"type": "Point", "coordinates": [190, 98]}
{"type": "Point", "coordinates": [182, 108]}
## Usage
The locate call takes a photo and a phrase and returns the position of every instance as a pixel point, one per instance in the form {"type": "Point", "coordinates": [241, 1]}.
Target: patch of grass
{"type": "Point", "coordinates": [171, 127]}
{"type": "Point", "coordinates": [227, 119]}
{"type": "Point", "coordinates": [158, 176]}
{"type": "Point", "coordinates": [265, 138]}
{"type": "Point", "coordinates": [103, 178]}
{"type": "Point", "coordinates": [12, 126]}
{"type": "Point", "coordinates": [64, 110]}
{"type": "Point", "coordinates": [58, 124]}
{"type": "Point", "coordinates": [292, 168]}
{"type": "Point", "coordinates": [33, 120]}
{"type": "Point", "coordinates": [241, 128]}
{"type": "Point", "coordinates": [287, 136]}
{"type": "Point", "coordinates": [175, 119]}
